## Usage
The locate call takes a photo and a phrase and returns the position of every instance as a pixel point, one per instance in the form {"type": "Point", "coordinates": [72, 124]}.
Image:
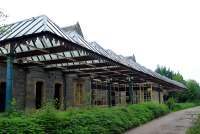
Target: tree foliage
{"type": "Point", "coordinates": [164, 71]}
{"type": "Point", "coordinates": [192, 93]}
{"type": "Point", "coordinates": [3, 16]}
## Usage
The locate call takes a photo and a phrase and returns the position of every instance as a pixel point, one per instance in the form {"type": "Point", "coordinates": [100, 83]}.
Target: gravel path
{"type": "Point", "coordinates": [173, 123]}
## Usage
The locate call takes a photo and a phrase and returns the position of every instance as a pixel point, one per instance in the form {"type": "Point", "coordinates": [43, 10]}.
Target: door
{"type": "Point", "coordinates": [78, 93]}
{"type": "Point", "coordinates": [2, 96]}
{"type": "Point", "coordinates": [38, 99]}
{"type": "Point", "coordinates": [57, 95]}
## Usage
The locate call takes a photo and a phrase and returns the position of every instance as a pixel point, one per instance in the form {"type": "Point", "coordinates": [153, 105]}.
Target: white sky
{"type": "Point", "coordinates": [164, 32]}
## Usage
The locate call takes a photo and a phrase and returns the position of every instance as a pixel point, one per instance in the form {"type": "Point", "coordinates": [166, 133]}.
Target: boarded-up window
{"type": "Point", "coordinates": [78, 93]}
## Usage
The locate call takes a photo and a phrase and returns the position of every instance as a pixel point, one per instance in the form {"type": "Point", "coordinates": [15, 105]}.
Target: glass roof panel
{"type": "Point", "coordinates": [37, 26]}
{"type": "Point", "coordinates": [99, 48]}
{"type": "Point", "coordinates": [38, 44]}
{"type": "Point", "coordinates": [35, 58]}
{"type": "Point", "coordinates": [7, 29]}
{"type": "Point", "coordinates": [30, 43]}
{"type": "Point", "coordinates": [47, 42]}
{"type": "Point", "coordinates": [70, 63]}
{"type": "Point", "coordinates": [28, 28]}
{"type": "Point", "coordinates": [74, 53]}
{"type": "Point", "coordinates": [41, 58]}
{"type": "Point", "coordinates": [55, 43]}
{"type": "Point", "coordinates": [47, 57]}
{"type": "Point", "coordinates": [20, 28]}
{"type": "Point", "coordinates": [11, 31]}
{"type": "Point", "coordinates": [4, 50]}
{"type": "Point", "coordinates": [18, 50]}
{"type": "Point", "coordinates": [67, 54]}
{"type": "Point", "coordinates": [24, 48]}
{"type": "Point", "coordinates": [82, 53]}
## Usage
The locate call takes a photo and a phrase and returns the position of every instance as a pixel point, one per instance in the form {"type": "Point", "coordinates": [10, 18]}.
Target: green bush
{"type": "Point", "coordinates": [195, 129]}
{"type": "Point", "coordinates": [170, 103]}
{"type": "Point", "coordinates": [180, 106]}
{"type": "Point", "coordinates": [96, 120]}
{"type": "Point", "coordinates": [19, 125]}
{"type": "Point", "coordinates": [173, 106]}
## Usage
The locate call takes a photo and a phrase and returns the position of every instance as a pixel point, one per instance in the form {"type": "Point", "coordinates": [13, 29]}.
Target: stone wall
{"type": "Point", "coordinates": [18, 84]}
{"type": "Point", "coordinates": [24, 85]}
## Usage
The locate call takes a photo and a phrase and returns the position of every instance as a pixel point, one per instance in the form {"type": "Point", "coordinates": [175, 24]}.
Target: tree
{"type": "Point", "coordinates": [193, 90]}
{"type": "Point", "coordinates": [162, 70]}
{"type": "Point", "coordinates": [3, 16]}
{"type": "Point", "coordinates": [178, 77]}
{"type": "Point", "coordinates": [192, 93]}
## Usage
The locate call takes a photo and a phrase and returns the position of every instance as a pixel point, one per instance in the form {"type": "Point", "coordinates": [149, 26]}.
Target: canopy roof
{"type": "Point", "coordinates": [40, 42]}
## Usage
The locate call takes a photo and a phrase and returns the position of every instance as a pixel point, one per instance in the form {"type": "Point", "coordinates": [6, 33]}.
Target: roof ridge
{"type": "Point", "coordinates": [45, 18]}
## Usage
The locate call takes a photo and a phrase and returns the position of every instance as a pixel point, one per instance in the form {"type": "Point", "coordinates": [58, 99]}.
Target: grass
{"type": "Point", "coordinates": [195, 129]}
{"type": "Point", "coordinates": [181, 106]}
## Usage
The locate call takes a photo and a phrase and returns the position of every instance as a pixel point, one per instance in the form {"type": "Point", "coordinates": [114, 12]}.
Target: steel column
{"type": "Point", "coordinates": [159, 95]}
{"type": "Point", "coordinates": [9, 81]}
{"type": "Point", "coordinates": [65, 90]}
{"type": "Point", "coordinates": [109, 94]}
{"type": "Point", "coordinates": [130, 90]}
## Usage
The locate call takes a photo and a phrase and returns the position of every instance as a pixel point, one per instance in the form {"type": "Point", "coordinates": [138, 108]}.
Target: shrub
{"type": "Point", "coordinates": [95, 120]}
{"type": "Point", "coordinates": [19, 125]}
{"type": "Point", "coordinates": [46, 118]}
{"type": "Point", "coordinates": [170, 103]}
{"type": "Point", "coordinates": [180, 106]}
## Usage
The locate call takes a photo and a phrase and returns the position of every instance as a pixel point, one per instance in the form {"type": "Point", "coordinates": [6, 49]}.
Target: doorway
{"type": "Point", "coordinates": [78, 93]}
{"type": "Point", "coordinates": [2, 96]}
{"type": "Point", "coordinates": [38, 99]}
{"type": "Point", "coordinates": [57, 95]}
{"type": "Point", "coordinates": [113, 97]}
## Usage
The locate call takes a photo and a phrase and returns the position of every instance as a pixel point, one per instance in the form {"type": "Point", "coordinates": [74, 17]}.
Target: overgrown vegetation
{"type": "Point", "coordinates": [83, 121]}
{"type": "Point", "coordinates": [3, 16]}
{"type": "Point", "coordinates": [173, 106]}
{"type": "Point", "coordinates": [196, 128]}
{"type": "Point", "coordinates": [191, 94]}
{"type": "Point", "coordinates": [181, 106]}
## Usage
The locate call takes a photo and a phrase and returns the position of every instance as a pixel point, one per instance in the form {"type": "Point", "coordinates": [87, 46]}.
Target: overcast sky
{"type": "Point", "coordinates": [164, 32]}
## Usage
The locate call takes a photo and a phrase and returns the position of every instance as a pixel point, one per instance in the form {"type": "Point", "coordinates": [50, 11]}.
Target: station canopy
{"type": "Point", "coordinates": [40, 42]}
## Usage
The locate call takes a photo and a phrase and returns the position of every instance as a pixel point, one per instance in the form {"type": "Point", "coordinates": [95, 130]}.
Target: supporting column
{"type": "Point", "coordinates": [130, 86]}
{"type": "Point", "coordinates": [159, 90]}
{"type": "Point", "coordinates": [65, 90]}
{"type": "Point", "coordinates": [92, 92]}
{"type": "Point", "coordinates": [151, 92]}
{"type": "Point", "coordinates": [140, 93]}
{"type": "Point", "coordinates": [9, 81]}
{"type": "Point", "coordinates": [109, 93]}
{"type": "Point", "coordinates": [159, 95]}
